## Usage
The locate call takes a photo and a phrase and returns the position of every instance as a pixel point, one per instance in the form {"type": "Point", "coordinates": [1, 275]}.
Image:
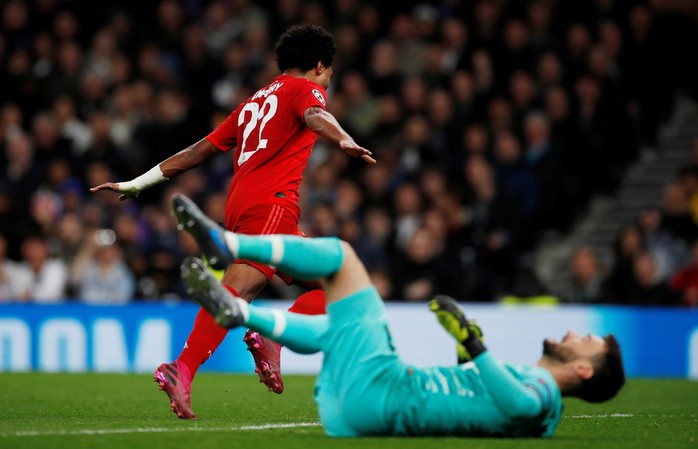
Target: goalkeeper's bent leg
{"type": "Point", "coordinates": [299, 333]}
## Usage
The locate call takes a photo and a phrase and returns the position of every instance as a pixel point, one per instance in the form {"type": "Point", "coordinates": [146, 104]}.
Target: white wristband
{"type": "Point", "coordinates": [148, 179]}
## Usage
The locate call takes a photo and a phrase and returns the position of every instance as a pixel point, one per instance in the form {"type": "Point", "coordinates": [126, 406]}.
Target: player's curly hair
{"type": "Point", "coordinates": [303, 46]}
{"type": "Point", "coordinates": [609, 375]}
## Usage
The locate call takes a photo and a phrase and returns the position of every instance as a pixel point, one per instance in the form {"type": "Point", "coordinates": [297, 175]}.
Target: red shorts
{"type": "Point", "coordinates": [266, 219]}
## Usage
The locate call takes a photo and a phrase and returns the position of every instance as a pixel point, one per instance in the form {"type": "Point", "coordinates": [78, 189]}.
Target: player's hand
{"type": "Point", "coordinates": [125, 193]}
{"type": "Point", "coordinates": [353, 149]}
{"type": "Point", "coordinates": [467, 333]}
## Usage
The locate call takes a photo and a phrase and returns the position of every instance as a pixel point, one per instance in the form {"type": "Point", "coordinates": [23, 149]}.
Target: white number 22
{"type": "Point", "coordinates": [265, 113]}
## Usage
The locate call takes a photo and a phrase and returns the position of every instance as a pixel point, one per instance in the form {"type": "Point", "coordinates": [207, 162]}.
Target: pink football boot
{"type": "Point", "coordinates": [267, 361]}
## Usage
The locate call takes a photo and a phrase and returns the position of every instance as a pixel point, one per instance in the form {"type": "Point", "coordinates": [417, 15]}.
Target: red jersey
{"type": "Point", "coordinates": [272, 145]}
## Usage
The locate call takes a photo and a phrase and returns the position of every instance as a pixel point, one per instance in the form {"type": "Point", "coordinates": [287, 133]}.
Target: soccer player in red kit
{"type": "Point", "coordinates": [272, 134]}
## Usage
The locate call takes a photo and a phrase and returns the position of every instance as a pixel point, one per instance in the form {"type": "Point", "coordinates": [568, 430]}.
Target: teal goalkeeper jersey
{"type": "Point", "coordinates": [485, 397]}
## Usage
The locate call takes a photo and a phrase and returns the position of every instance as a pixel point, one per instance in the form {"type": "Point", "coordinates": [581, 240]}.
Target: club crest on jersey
{"type": "Point", "coordinates": [319, 96]}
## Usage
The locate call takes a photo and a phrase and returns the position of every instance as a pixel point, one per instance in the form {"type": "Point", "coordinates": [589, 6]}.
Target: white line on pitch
{"type": "Point", "coordinates": [631, 415]}
{"type": "Point", "coordinates": [611, 415]}
{"type": "Point", "coordinates": [33, 433]}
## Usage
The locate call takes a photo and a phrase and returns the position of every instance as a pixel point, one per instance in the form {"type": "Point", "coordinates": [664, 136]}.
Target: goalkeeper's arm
{"type": "Point", "coordinates": [512, 397]}
{"type": "Point", "coordinates": [188, 158]}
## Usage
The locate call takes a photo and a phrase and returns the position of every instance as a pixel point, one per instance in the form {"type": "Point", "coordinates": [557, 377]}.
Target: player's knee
{"type": "Point", "coordinates": [245, 279]}
{"type": "Point", "coordinates": [350, 261]}
{"type": "Point", "coordinates": [349, 278]}
{"type": "Point", "coordinates": [349, 256]}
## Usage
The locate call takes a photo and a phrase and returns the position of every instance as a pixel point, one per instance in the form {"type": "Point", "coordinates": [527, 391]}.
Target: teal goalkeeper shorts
{"type": "Point", "coordinates": [361, 373]}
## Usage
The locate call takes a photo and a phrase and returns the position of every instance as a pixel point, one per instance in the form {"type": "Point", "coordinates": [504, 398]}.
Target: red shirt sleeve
{"type": "Point", "coordinates": [308, 95]}
{"type": "Point", "coordinates": [224, 136]}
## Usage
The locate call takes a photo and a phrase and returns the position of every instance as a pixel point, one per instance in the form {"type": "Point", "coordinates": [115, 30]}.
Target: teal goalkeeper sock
{"type": "Point", "coordinates": [302, 258]}
{"type": "Point", "coordinates": [299, 333]}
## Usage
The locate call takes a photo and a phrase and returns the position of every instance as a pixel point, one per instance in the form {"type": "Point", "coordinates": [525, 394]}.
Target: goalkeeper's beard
{"type": "Point", "coordinates": [554, 351]}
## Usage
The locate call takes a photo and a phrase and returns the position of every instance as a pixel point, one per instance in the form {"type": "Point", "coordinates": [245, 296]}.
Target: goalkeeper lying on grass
{"type": "Point", "coordinates": [364, 388]}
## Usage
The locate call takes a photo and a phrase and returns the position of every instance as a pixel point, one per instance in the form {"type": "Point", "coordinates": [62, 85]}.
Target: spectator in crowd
{"type": "Point", "coordinates": [99, 271]}
{"type": "Point", "coordinates": [415, 150]}
{"type": "Point", "coordinates": [554, 201]}
{"type": "Point", "coordinates": [494, 218]}
{"type": "Point", "coordinates": [68, 238]}
{"type": "Point", "coordinates": [361, 108]}
{"type": "Point", "coordinates": [516, 180]}
{"type": "Point", "coordinates": [688, 179]}
{"type": "Point", "coordinates": [22, 174]}
{"type": "Point", "coordinates": [374, 243]}
{"type": "Point", "coordinates": [40, 278]}
{"type": "Point", "coordinates": [629, 245]}
{"type": "Point", "coordinates": [645, 288]}
{"type": "Point", "coordinates": [443, 130]}
{"type": "Point", "coordinates": [669, 251]}
{"type": "Point", "coordinates": [676, 216]}
{"type": "Point", "coordinates": [8, 274]}
{"type": "Point", "coordinates": [685, 281]}
{"type": "Point", "coordinates": [464, 97]}
{"type": "Point", "coordinates": [588, 278]}
{"type": "Point", "coordinates": [418, 270]}
{"type": "Point", "coordinates": [50, 146]}
{"type": "Point", "coordinates": [408, 205]}
{"type": "Point", "coordinates": [383, 75]}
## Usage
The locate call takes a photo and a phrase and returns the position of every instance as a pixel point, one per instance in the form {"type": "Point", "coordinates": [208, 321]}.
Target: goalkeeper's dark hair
{"type": "Point", "coordinates": [303, 46]}
{"type": "Point", "coordinates": [609, 375]}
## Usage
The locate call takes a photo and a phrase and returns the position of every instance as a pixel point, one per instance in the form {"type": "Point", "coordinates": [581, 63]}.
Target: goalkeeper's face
{"type": "Point", "coordinates": [574, 346]}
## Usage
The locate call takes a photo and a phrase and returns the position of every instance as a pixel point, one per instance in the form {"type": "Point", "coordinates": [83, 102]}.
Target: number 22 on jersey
{"type": "Point", "coordinates": [256, 116]}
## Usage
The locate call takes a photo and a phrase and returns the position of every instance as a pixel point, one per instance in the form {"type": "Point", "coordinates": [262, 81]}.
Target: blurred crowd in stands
{"type": "Point", "coordinates": [494, 123]}
{"type": "Point", "coordinates": [655, 258]}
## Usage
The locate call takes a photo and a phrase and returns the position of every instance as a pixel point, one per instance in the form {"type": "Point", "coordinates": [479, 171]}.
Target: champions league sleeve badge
{"type": "Point", "coordinates": [319, 96]}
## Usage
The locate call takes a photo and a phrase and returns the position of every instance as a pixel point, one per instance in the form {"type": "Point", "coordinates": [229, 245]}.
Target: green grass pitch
{"type": "Point", "coordinates": [127, 411]}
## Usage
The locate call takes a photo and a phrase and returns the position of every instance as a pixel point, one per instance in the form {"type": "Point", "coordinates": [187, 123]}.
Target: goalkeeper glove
{"type": "Point", "coordinates": [467, 333]}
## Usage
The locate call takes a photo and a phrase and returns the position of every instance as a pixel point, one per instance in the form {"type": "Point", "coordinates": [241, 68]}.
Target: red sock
{"type": "Point", "coordinates": [203, 340]}
{"type": "Point", "coordinates": [310, 303]}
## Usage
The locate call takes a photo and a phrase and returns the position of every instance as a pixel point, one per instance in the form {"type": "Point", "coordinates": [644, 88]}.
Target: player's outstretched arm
{"type": "Point", "coordinates": [325, 125]}
{"type": "Point", "coordinates": [511, 396]}
{"type": "Point", "coordinates": [186, 159]}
